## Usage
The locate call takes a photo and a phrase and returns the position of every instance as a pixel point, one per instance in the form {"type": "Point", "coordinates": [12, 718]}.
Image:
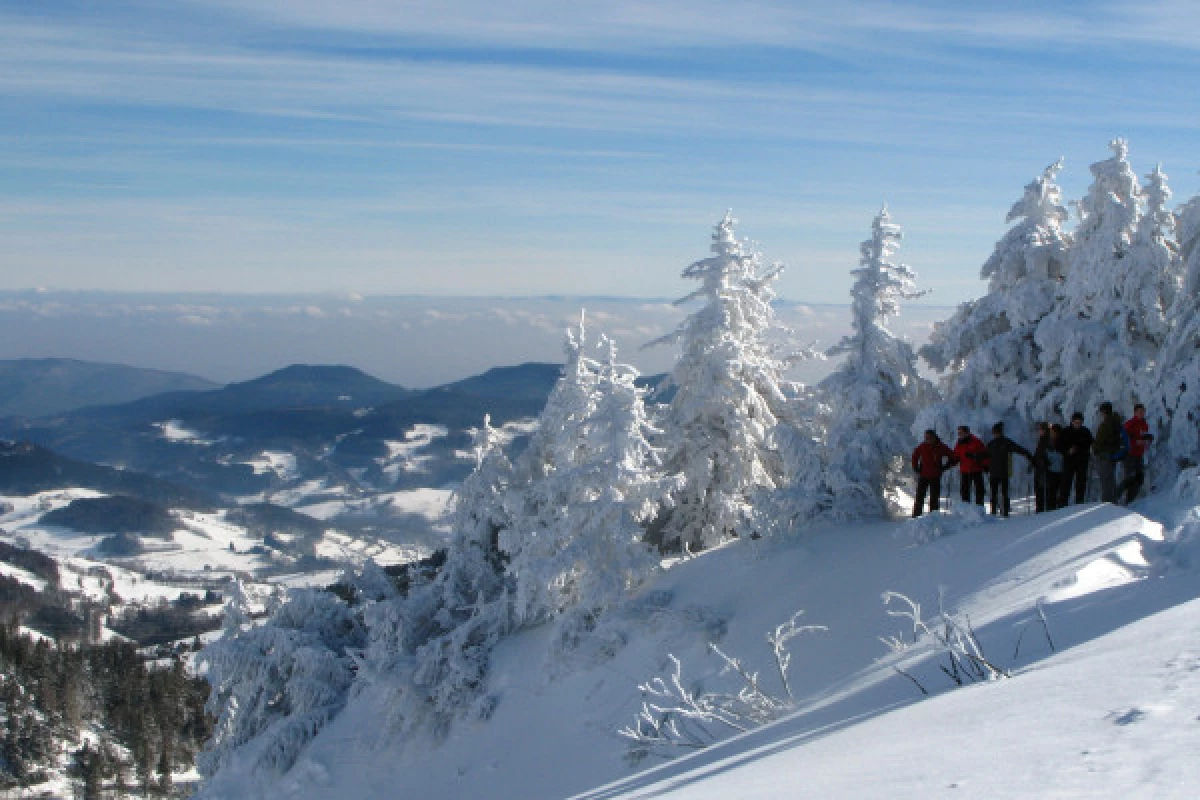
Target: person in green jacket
{"type": "Point", "coordinates": [1109, 450]}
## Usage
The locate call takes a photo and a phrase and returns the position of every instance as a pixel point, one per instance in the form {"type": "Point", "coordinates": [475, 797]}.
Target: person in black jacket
{"type": "Point", "coordinates": [1000, 450]}
{"type": "Point", "coordinates": [1076, 445]}
{"type": "Point", "coordinates": [1040, 451]}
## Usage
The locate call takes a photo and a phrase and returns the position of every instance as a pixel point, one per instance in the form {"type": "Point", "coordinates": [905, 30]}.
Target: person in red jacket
{"type": "Point", "coordinates": [930, 460]}
{"type": "Point", "coordinates": [970, 453]}
{"type": "Point", "coordinates": [1134, 465]}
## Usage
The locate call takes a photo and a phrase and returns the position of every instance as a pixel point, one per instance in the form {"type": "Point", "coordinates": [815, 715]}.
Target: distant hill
{"type": "Point", "coordinates": [37, 387]}
{"type": "Point", "coordinates": [296, 387]}
{"type": "Point", "coordinates": [27, 468]}
{"type": "Point", "coordinates": [335, 422]}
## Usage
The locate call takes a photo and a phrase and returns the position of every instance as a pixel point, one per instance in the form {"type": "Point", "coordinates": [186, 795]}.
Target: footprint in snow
{"type": "Point", "coordinates": [1126, 717]}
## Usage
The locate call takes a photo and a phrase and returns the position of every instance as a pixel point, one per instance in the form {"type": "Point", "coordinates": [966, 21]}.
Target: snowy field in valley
{"type": "Point", "coordinates": [1109, 710]}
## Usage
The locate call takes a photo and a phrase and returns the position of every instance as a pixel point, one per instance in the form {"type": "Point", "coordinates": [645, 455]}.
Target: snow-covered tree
{"type": "Point", "coordinates": [873, 395]}
{"type": "Point", "coordinates": [1108, 326]}
{"type": "Point", "coordinates": [276, 685]}
{"type": "Point", "coordinates": [1177, 377]}
{"type": "Point", "coordinates": [575, 542]}
{"type": "Point", "coordinates": [559, 435]}
{"type": "Point", "coordinates": [720, 425]}
{"type": "Point", "coordinates": [428, 651]}
{"type": "Point", "coordinates": [987, 350]}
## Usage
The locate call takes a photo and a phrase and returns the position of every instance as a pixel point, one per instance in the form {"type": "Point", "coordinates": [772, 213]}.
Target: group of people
{"type": "Point", "coordinates": [1061, 461]}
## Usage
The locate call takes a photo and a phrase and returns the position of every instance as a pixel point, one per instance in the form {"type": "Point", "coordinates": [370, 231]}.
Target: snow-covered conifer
{"type": "Point", "coordinates": [873, 395]}
{"type": "Point", "coordinates": [1177, 377]}
{"type": "Point", "coordinates": [1104, 335]}
{"type": "Point", "coordinates": [559, 435]}
{"type": "Point", "coordinates": [428, 652]}
{"type": "Point", "coordinates": [276, 685]}
{"type": "Point", "coordinates": [721, 422]}
{"type": "Point", "coordinates": [575, 541]}
{"type": "Point", "coordinates": [987, 350]}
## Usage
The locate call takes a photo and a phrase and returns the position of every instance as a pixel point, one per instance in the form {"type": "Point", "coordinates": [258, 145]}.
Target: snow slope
{"type": "Point", "coordinates": [1113, 711]}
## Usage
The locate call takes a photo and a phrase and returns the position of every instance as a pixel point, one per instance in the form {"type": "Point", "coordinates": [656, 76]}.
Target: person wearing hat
{"type": "Point", "coordinates": [930, 460]}
{"type": "Point", "coordinates": [1110, 448]}
{"type": "Point", "coordinates": [1076, 445]}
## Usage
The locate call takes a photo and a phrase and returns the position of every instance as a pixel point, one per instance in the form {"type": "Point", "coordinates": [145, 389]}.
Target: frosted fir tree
{"type": "Point", "coordinates": [872, 397]}
{"type": "Point", "coordinates": [987, 350]}
{"type": "Point", "coordinates": [1154, 280]}
{"type": "Point", "coordinates": [1177, 376]}
{"type": "Point", "coordinates": [1104, 335]}
{"type": "Point", "coordinates": [720, 426]}
{"type": "Point", "coordinates": [428, 652]}
{"type": "Point", "coordinates": [276, 685]}
{"type": "Point", "coordinates": [541, 506]}
{"type": "Point", "coordinates": [575, 543]}
{"type": "Point", "coordinates": [559, 435]}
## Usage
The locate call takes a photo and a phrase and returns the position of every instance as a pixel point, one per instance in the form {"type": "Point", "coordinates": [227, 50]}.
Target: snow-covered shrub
{"type": "Point", "coordinates": [676, 717]}
{"type": "Point", "coordinates": [872, 397]}
{"type": "Point", "coordinates": [954, 637]}
{"type": "Point", "coordinates": [721, 422]}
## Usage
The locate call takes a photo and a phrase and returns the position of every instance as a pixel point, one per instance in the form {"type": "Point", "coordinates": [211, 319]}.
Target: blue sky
{"type": "Point", "coordinates": [529, 148]}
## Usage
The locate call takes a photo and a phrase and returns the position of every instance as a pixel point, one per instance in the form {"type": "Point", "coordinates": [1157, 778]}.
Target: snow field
{"type": "Point", "coordinates": [553, 731]}
{"type": "Point", "coordinates": [174, 430]}
{"type": "Point", "coordinates": [406, 455]}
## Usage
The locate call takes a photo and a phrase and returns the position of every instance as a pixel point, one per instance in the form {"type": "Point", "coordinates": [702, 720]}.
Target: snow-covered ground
{"type": "Point", "coordinates": [283, 465]}
{"type": "Point", "coordinates": [407, 456]}
{"type": "Point", "coordinates": [429, 503]}
{"type": "Point", "coordinates": [1110, 709]}
{"type": "Point", "coordinates": [22, 576]}
{"type": "Point", "coordinates": [174, 431]}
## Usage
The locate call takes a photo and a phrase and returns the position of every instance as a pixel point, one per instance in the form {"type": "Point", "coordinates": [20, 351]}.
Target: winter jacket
{"type": "Point", "coordinates": [1139, 434]}
{"type": "Point", "coordinates": [931, 460]}
{"type": "Point", "coordinates": [971, 455]}
{"type": "Point", "coordinates": [1108, 437]}
{"type": "Point", "coordinates": [1048, 455]}
{"type": "Point", "coordinates": [1000, 450]}
{"type": "Point", "coordinates": [1041, 452]}
{"type": "Point", "coordinates": [1078, 438]}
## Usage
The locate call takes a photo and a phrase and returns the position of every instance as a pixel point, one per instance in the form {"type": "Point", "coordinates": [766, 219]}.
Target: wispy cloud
{"type": "Point", "coordinates": [546, 146]}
